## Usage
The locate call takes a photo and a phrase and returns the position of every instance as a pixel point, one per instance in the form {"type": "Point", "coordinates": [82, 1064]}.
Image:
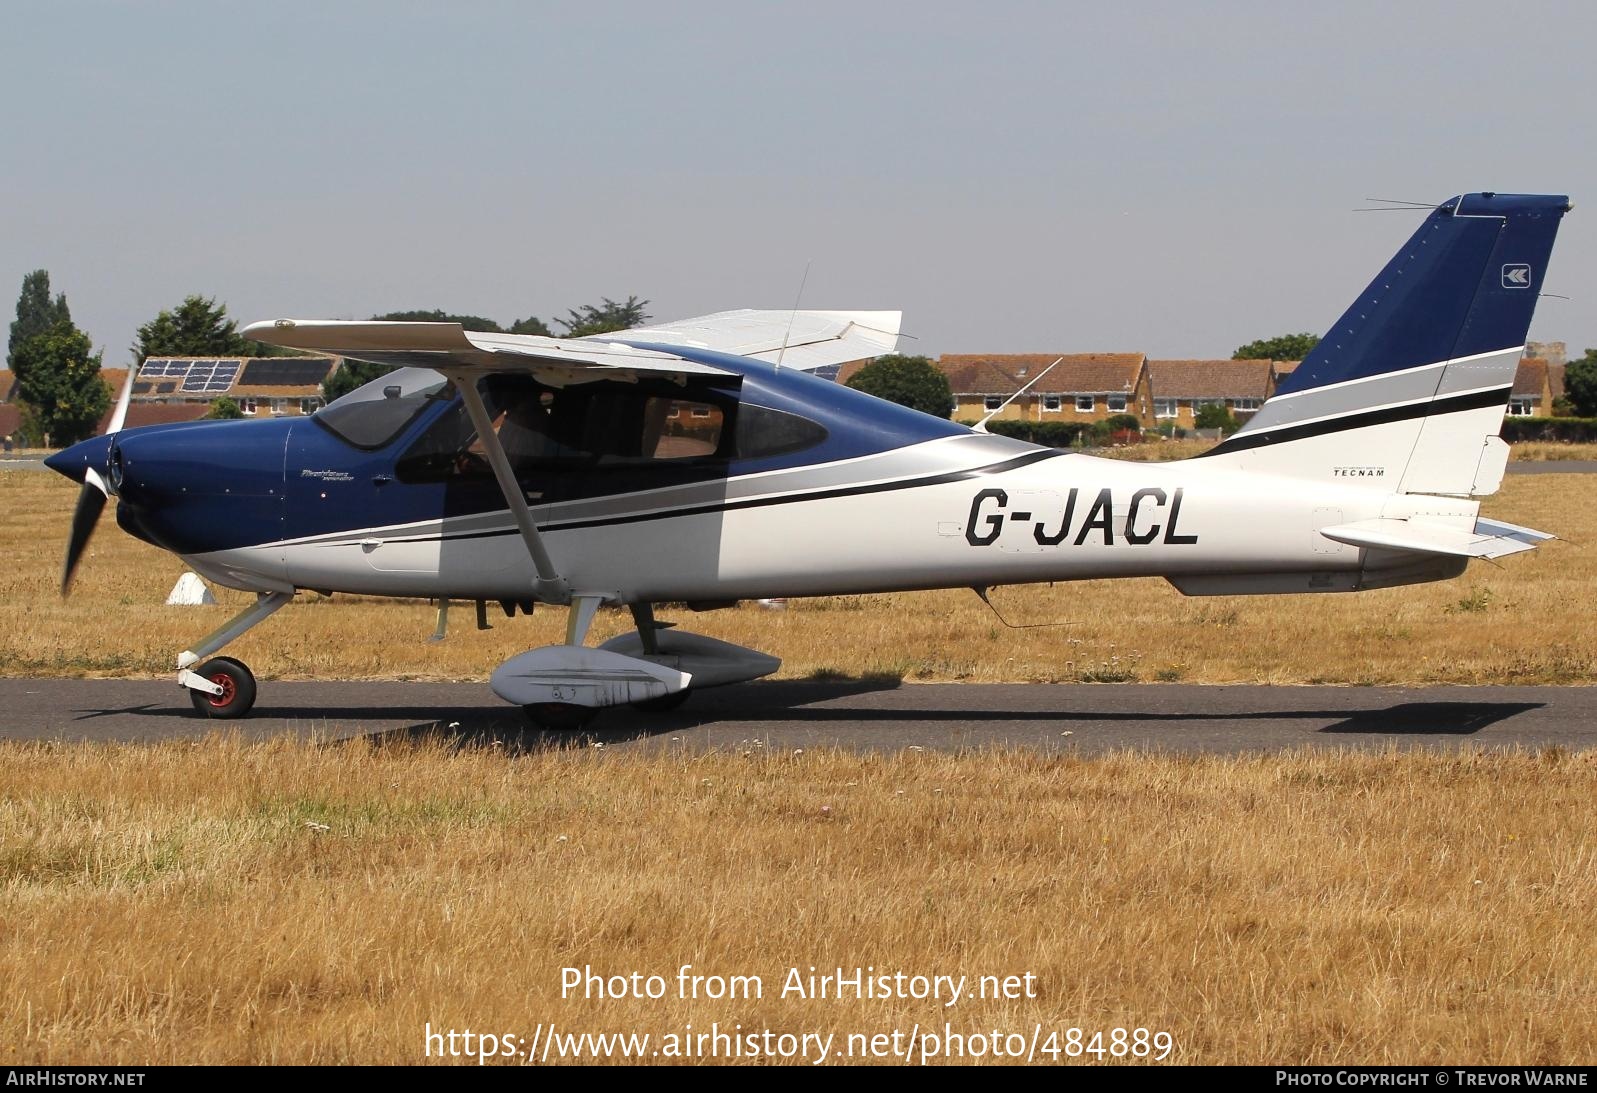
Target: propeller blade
{"type": "Point", "coordinates": [122, 401]}
{"type": "Point", "coordinates": [91, 502]}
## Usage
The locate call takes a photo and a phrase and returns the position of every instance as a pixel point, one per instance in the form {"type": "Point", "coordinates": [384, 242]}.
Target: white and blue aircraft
{"type": "Point", "coordinates": [700, 463]}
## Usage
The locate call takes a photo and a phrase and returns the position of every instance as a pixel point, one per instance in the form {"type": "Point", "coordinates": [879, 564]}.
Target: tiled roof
{"type": "Point", "coordinates": [1530, 377]}
{"type": "Point", "coordinates": [156, 413]}
{"type": "Point", "coordinates": [1211, 379]}
{"type": "Point", "coordinates": [139, 414]}
{"type": "Point", "coordinates": [113, 378]}
{"type": "Point", "coordinates": [1076, 373]}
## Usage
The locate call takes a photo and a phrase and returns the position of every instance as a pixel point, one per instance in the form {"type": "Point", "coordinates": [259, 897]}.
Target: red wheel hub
{"type": "Point", "coordinates": [229, 689]}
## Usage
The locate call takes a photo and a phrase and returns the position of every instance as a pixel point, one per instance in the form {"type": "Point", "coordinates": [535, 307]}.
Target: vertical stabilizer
{"type": "Point", "coordinates": [1406, 392]}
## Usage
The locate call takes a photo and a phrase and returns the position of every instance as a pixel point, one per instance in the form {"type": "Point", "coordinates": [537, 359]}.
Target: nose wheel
{"type": "Point", "coordinates": [238, 688]}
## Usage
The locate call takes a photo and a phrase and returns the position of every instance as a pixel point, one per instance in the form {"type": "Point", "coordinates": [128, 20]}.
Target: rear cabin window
{"type": "Point", "coordinates": [763, 432]}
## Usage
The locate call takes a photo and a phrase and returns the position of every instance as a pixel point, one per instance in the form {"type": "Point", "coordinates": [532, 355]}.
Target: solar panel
{"type": "Point", "coordinates": [210, 376]}
{"type": "Point", "coordinates": [160, 366]}
{"type": "Point", "coordinates": [286, 372]}
{"type": "Point", "coordinates": [166, 387]}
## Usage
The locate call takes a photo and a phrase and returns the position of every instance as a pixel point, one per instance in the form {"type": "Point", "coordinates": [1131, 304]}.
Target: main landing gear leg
{"type": "Point", "coordinates": [648, 633]}
{"type": "Point", "coordinates": [223, 687]}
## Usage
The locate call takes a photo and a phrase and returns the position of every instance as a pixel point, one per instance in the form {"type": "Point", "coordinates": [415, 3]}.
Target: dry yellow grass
{"type": "Point", "coordinates": [1543, 450]}
{"type": "Point", "coordinates": [1523, 621]}
{"type": "Point", "coordinates": [289, 902]}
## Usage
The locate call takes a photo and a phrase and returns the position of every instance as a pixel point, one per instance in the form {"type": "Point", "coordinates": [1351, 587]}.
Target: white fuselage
{"type": "Point", "coordinates": [933, 515]}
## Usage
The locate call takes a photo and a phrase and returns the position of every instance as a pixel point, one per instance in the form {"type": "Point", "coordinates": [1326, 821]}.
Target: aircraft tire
{"type": "Point", "coordinates": [238, 689]}
{"type": "Point", "coordinates": [664, 703]}
{"type": "Point", "coordinates": [559, 716]}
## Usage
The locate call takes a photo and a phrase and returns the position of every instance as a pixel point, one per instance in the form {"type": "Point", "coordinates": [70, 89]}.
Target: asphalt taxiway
{"type": "Point", "coordinates": [853, 714]}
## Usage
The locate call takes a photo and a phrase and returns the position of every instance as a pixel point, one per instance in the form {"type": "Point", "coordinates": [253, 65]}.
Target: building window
{"type": "Point", "coordinates": [1521, 407]}
{"type": "Point", "coordinates": [1085, 404]}
{"type": "Point", "coordinates": [1053, 403]}
{"type": "Point", "coordinates": [247, 405]}
{"type": "Point", "coordinates": [993, 402]}
{"type": "Point", "coordinates": [1117, 404]}
{"type": "Point", "coordinates": [1164, 407]}
{"type": "Point", "coordinates": [309, 405]}
{"type": "Point", "coordinates": [1245, 404]}
{"type": "Point", "coordinates": [279, 406]}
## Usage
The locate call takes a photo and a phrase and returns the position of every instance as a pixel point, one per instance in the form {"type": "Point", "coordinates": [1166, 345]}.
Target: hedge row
{"type": "Point", "coordinates": [1570, 430]}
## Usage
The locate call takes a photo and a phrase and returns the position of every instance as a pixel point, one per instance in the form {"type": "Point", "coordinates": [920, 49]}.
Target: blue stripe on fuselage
{"type": "Point", "coordinates": [215, 486]}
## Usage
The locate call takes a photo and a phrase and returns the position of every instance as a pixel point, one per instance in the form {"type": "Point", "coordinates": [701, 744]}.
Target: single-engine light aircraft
{"type": "Point", "coordinates": [701, 462]}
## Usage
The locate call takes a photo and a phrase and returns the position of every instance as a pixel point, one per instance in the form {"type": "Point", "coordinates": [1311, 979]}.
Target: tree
{"type": "Point", "coordinates": [198, 327]}
{"type": "Point", "coordinates": [58, 380]}
{"type": "Point", "coordinates": [909, 381]}
{"type": "Point", "coordinates": [1580, 384]}
{"type": "Point", "coordinates": [531, 325]}
{"type": "Point", "coordinates": [36, 312]}
{"type": "Point", "coordinates": [350, 375]}
{"type": "Point", "coordinates": [1214, 415]}
{"type": "Point", "coordinates": [225, 409]}
{"type": "Point", "coordinates": [469, 322]}
{"type": "Point", "coordinates": [589, 319]}
{"type": "Point", "coordinates": [1282, 347]}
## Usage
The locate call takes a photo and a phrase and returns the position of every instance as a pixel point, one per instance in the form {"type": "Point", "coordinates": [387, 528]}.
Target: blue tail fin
{"type": "Point", "coordinates": [1409, 386]}
{"type": "Point", "coordinates": [1464, 284]}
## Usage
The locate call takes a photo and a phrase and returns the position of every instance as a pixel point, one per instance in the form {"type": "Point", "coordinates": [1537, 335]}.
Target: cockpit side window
{"type": "Point", "coordinates": [589, 426]}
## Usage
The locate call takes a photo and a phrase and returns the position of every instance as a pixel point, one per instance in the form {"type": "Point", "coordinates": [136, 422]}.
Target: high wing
{"type": "Point", "coordinates": [799, 339]}
{"type": "Point", "coordinates": [796, 339]}
{"type": "Point", "coordinates": [447, 346]}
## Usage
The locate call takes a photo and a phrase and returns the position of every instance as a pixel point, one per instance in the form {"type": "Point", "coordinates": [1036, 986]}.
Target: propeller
{"type": "Point", "coordinates": [92, 497]}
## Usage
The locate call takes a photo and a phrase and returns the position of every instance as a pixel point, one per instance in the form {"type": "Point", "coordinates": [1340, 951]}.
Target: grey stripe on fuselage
{"type": "Point", "coordinates": [1388, 389]}
{"type": "Point", "coordinates": [935, 457]}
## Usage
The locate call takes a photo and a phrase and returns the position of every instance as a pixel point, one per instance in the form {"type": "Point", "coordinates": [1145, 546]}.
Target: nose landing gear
{"type": "Point", "coordinates": [237, 688]}
{"type": "Point", "coordinates": [222, 687]}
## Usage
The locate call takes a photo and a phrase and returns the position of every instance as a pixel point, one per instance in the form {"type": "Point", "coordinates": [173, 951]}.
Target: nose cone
{"type": "Point", "coordinates": [75, 462]}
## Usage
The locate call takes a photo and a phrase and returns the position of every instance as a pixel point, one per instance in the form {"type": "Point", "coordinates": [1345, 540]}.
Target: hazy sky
{"type": "Point", "coordinates": [1170, 178]}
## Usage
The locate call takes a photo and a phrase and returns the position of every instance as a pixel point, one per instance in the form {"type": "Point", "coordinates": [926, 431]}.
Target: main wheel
{"type": "Point", "coordinates": [238, 688]}
{"type": "Point", "coordinates": [559, 716]}
{"type": "Point", "coordinates": [665, 702]}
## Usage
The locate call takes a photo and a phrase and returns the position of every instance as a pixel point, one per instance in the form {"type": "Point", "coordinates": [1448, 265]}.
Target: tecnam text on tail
{"type": "Point", "coordinates": [699, 462]}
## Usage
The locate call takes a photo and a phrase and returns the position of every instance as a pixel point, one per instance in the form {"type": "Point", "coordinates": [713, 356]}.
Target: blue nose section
{"type": "Point", "coordinates": [75, 461]}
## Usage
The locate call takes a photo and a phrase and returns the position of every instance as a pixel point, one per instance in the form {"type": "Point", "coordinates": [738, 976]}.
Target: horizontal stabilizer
{"type": "Point", "coordinates": [1489, 539]}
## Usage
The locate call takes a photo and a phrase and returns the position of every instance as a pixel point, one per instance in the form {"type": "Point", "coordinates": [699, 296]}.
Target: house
{"type": "Point", "coordinates": [1180, 388]}
{"type": "Point", "coordinates": [1081, 387]}
{"type": "Point", "coordinates": [1536, 384]}
{"type": "Point", "coordinates": [260, 385]}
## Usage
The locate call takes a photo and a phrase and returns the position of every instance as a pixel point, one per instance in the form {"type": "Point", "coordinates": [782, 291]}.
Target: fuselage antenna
{"type": "Point", "coordinates": [794, 313]}
{"type": "Point", "coordinates": [981, 426]}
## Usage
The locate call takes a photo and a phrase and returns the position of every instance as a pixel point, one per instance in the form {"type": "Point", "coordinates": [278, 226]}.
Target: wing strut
{"type": "Point", "coordinates": [550, 587]}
